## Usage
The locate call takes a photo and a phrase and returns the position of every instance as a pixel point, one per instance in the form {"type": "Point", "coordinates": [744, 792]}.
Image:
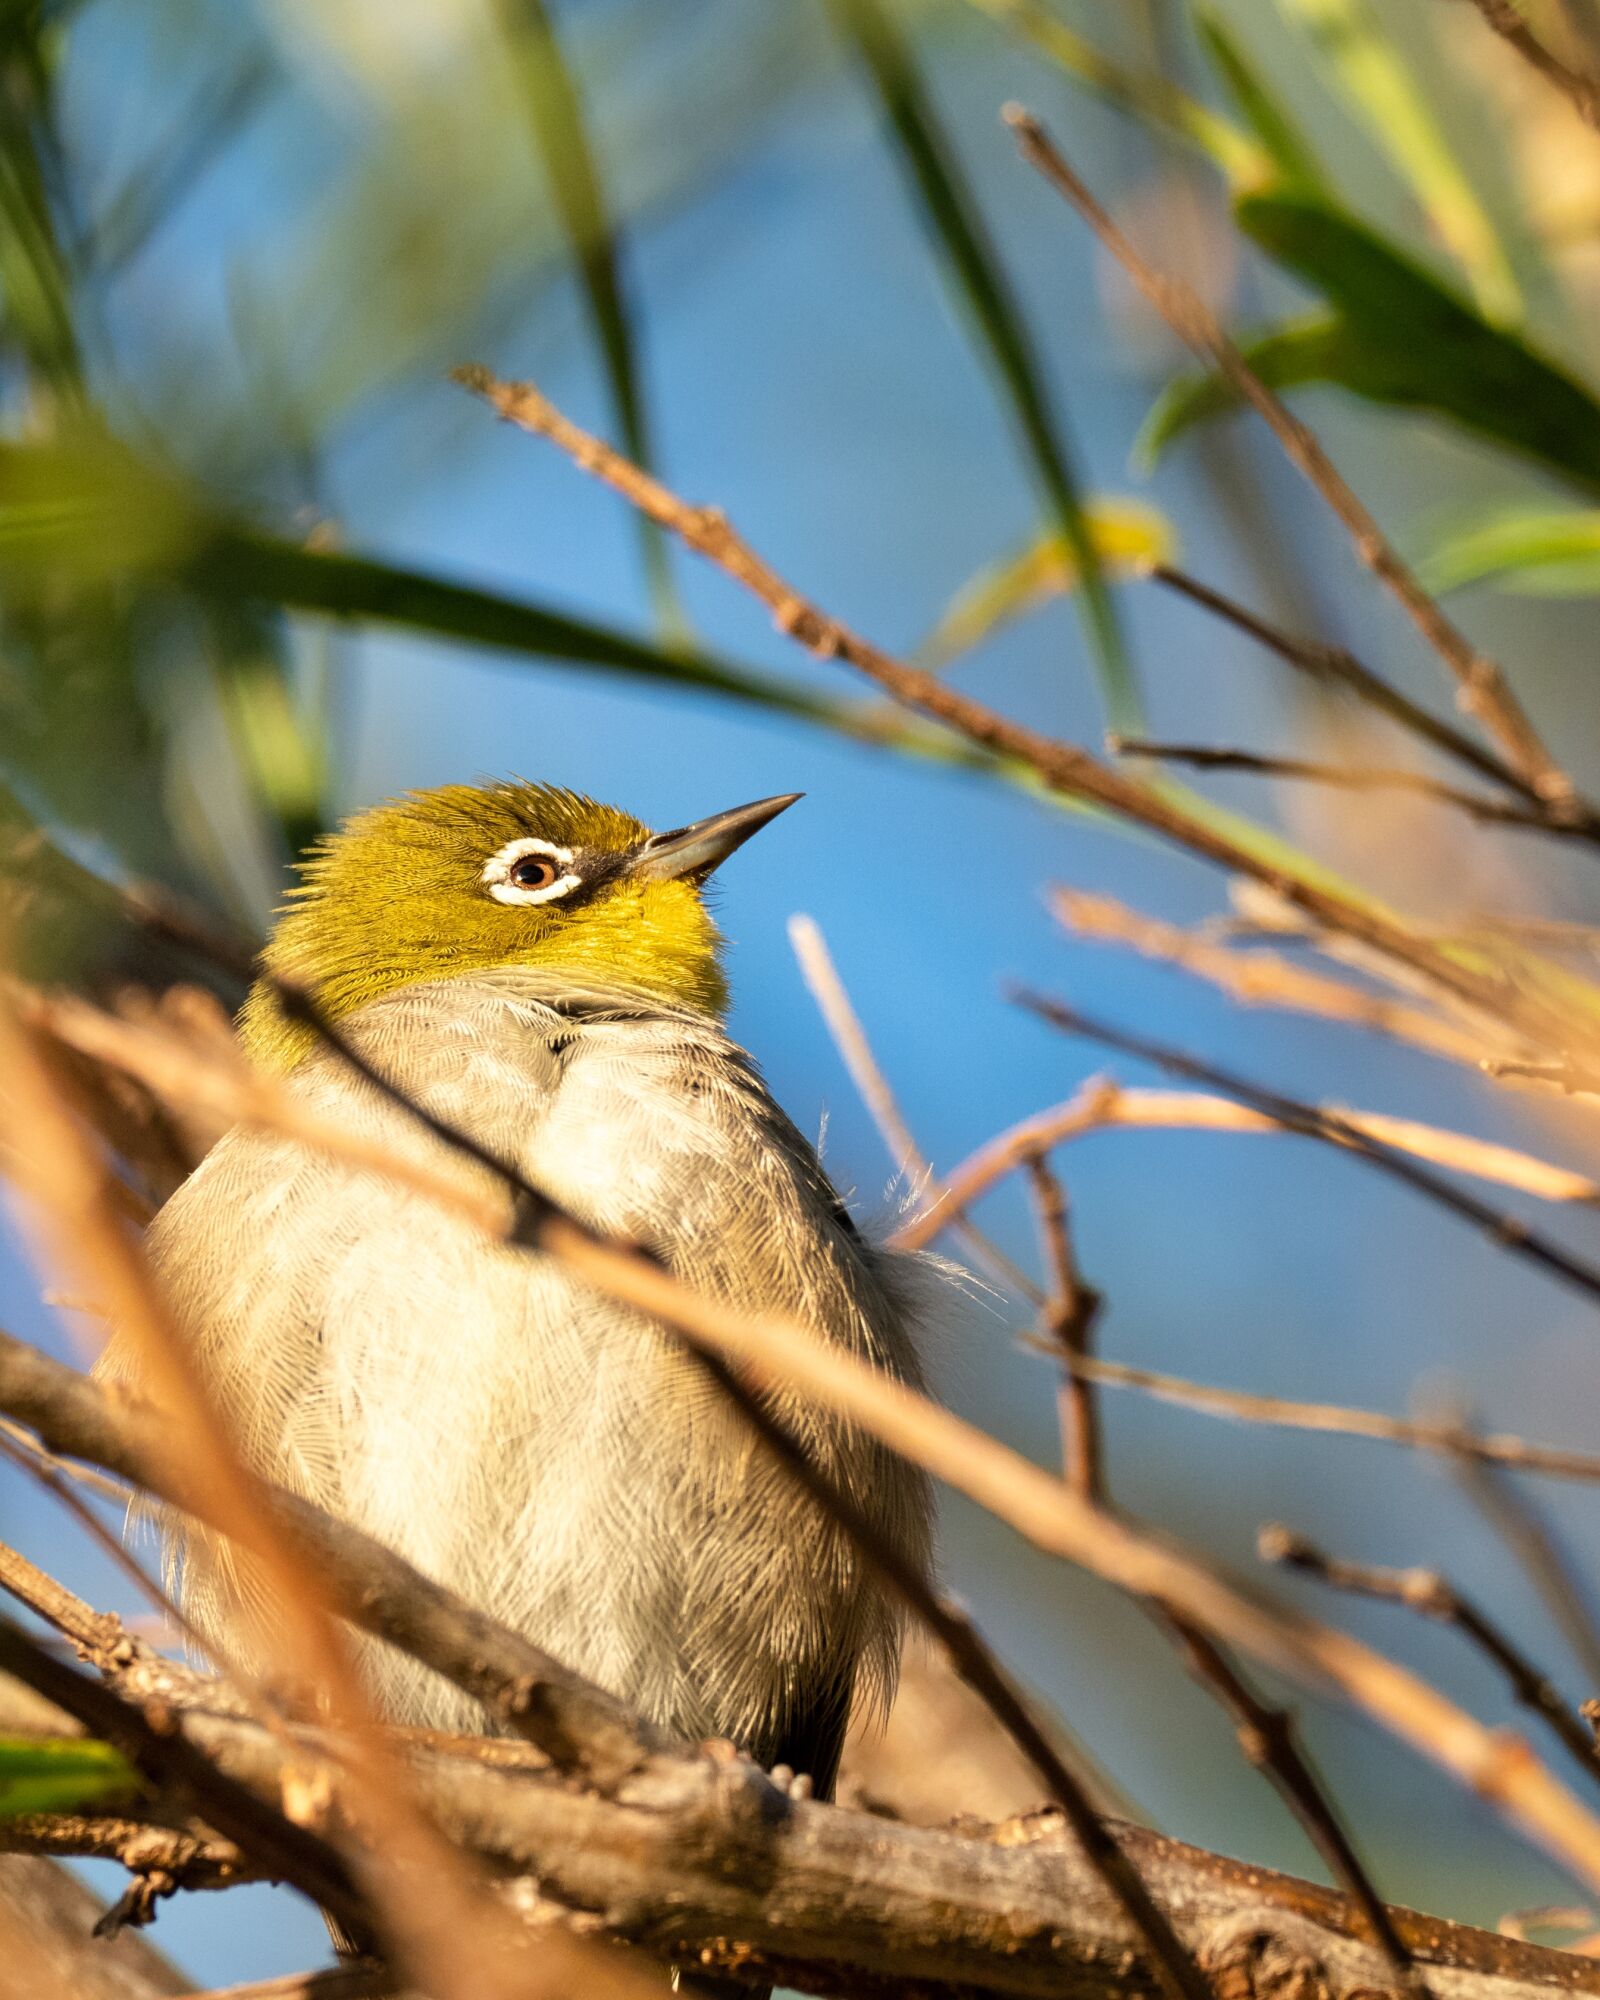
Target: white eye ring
{"type": "Point", "coordinates": [497, 869]}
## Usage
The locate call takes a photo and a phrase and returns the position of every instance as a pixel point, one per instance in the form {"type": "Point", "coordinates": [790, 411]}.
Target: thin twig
{"type": "Point", "coordinates": [1064, 767]}
{"type": "Point", "coordinates": [1425, 1590]}
{"type": "Point", "coordinates": [1581, 90]}
{"type": "Point", "coordinates": [1324, 662]}
{"type": "Point", "coordinates": [1102, 1105]}
{"type": "Point", "coordinates": [1259, 978]}
{"type": "Point", "coordinates": [843, 1023]}
{"type": "Point", "coordinates": [1270, 1742]}
{"type": "Point", "coordinates": [1266, 1735]}
{"type": "Point", "coordinates": [1482, 689]}
{"type": "Point", "coordinates": [1241, 1406]}
{"type": "Point", "coordinates": [1540, 1556]}
{"type": "Point", "coordinates": [1507, 1232]}
{"type": "Point", "coordinates": [1073, 1308]}
{"type": "Point", "coordinates": [1351, 778]}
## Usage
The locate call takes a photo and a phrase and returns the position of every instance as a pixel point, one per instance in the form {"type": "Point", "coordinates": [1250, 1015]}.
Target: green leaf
{"type": "Point", "coordinates": [45, 1774]}
{"type": "Point", "coordinates": [1295, 164]}
{"type": "Point", "coordinates": [1542, 551]}
{"type": "Point", "coordinates": [1156, 103]}
{"type": "Point", "coordinates": [556, 116]}
{"type": "Point", "coordinates": [1396, 334]}
{"type": "Point", "coordinates": [975, 276]}
{"type": "Point", "coordinates": [1377, 82]}
{"type": "Point", "coordinates": [1130, 538]}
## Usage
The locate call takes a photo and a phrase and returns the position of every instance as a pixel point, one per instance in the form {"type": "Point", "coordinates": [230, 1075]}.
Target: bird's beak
{"type": "Point", "coordinates": [697, 849]}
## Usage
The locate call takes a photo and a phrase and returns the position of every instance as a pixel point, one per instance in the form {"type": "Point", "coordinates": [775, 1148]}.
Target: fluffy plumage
{"type": "Point", "coordinates": [554, 1457]}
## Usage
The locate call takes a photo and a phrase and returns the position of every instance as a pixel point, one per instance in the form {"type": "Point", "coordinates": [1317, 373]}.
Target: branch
{"type": "Point", "coordinates": [1241, 1406]}
{"type": "Point", "coordinates": [1581, 90]}
{"type": "Point", "coordinates": [1350, 778]}
{"type": "Point", "coordinates": [692, 1860]}
{"type": "Point", "coordinates": [1425, 1590]}
{"type": "Point", "coordinates": [1263, 979]}
{"type": "Point", "coordinates": [1064, 767]}
{"type": "Point", "coordinates": [1482, 689]}
{"type": "Point", "coordinates": [1323, 662]}
{"type": "Point", "coordinates": [1313, 1122]}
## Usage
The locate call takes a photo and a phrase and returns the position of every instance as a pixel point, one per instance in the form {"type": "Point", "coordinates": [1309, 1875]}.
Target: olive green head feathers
{"type": "Point", "coordinates": [469, 879]}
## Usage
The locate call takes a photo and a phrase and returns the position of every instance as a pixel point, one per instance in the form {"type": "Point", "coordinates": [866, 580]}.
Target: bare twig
{"type": "Point", "coordinates": [1064, 767]}
{"type": "Point", "coordinates": [872, 1086]}
{"type": "Point", "coordinates": [1581, 90]}
{"type": "Point", "coordinates": [1270, 1742]}
{"type": "Point", "coordinates": [1505, 1231]}
{"type": "Point", "coordinates": [1335, 663]}
{"type": "Point", "coordinates": [1525, 1532]}
{"type": "Point", "coordinates": [1266, 1735]}
{"type": "Point", "coordinates": [1351, 778]}
{"type": "Point", "coordinates": [1072, 1310]}
{"type": "Point", "coordinates": [1425, 1590]}
{"type": "Point", "coordinates": [1482, 689]}
{"type": "Point", "coordinates": [1240, 1406]}
{"type": "Point", "coordinates": [1267, 979]}
{"type": "Point", "coordinates": [1102, 1105]}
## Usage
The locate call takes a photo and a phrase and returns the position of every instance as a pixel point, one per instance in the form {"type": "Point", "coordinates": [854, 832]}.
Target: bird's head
{"type": "Point", "coordinates": [470, 879]}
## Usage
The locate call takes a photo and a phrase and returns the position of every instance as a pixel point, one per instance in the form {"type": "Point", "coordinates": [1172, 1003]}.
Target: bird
{"type": "Point", "coordinates": [544, 972]}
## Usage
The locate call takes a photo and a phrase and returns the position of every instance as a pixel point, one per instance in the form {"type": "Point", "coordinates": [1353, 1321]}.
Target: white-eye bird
{"type": "Point", "coordinates": [542, 972]}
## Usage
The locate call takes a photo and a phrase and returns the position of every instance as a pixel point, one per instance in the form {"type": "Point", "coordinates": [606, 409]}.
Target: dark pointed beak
{"type": "Point", "coordinates": [697, 849]}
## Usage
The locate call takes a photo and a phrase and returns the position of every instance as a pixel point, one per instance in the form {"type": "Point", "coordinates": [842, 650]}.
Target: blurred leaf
{"type": "Point", "coordinates": [1295, 164]}
{"type": "Point", "coordinates": [35, 282]}
{"type": "Point", "coordinates": [1542, 551]}
{"type": "Point", "coordinates": [1129, 537]}
{"type": "Point", "coordinates": [1360, 54]}
{"type": "Point", "coordinates": [975, 276]}
{"type": "Point", "coordinates": [1396, 335]}
{"type": "Point", "coordinates": [555, 115]}
{"type": "Point", "coordinates": [1145, 95]}
{"type": "Point", "coordinates": [61, 1774]}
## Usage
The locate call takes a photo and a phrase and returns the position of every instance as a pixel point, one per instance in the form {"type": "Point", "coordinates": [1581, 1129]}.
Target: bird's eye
{"type": "Point", "coordinates": [530, 870]}
{"type": "Point", "coordinates": [534, 871]}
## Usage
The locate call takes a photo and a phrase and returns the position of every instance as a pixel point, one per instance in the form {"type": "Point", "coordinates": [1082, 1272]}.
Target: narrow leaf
{"type": "Point", "coordinates": [1130, 539]}
{"type": "Point", "coordinates": [1397, 334]}
{"type": "Point", "coordinates": [974, 274]}
{"type": "Point", "coordinates": [560, 132]}
{"type": "Point", "coordinates": [1293, 161]}
{"type": "Point", "coordinates": [43, 1774]}
{"type": "Point", "coordinates": [1158, 104]}
{"type": "Point", "coordinates": [1377, 82]}
{"type": "Point", "coordinates": [1541, 551]}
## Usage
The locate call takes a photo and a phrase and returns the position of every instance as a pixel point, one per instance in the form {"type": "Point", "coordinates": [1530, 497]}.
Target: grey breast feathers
{"type": "Point", "coordinates": [555, 1457]}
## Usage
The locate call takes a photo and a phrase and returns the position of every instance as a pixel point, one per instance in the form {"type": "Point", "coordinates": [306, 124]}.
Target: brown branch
{"type": "Point", "coordinates": [1266, 1735]}
{"type": "Point", "coordinates": [1425, 1590]}
{"type": "Point", "coordinates": [1064, 767]}
{"type": "Point", "coordinates": [1351, 778]}
{"type": "Point", "coordinates": [1102, 1105]}
{"type": "Point", "coordinates": [1323, 662]}
{"type": "Point", "coordinates": [1264, 979]}
{"type": "Point", "coordinates": [1581, 90]}
{"type": "Point", "coordinates": [1482, 689]}
{"type": "Point", "coordinates": [695, 1862]}
{"type": "Point", "coordinates": [1505, 1231]}
{"type": "Point", "coordinates": [1072, 1311]}
{"type": "Point", "coordinates": [1529, 1537]}
{"type": "Point", "coordinates": [1241, 1406]}
{"type": "Point", "coordinates": [356, 1982]}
